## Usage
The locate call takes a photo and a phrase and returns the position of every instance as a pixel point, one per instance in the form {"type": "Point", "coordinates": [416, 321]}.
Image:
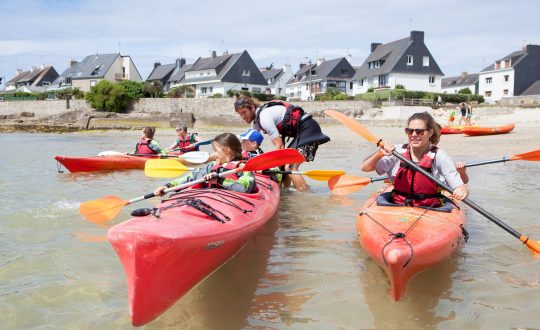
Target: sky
{"type": "Point", "coordinates": [461, 35]}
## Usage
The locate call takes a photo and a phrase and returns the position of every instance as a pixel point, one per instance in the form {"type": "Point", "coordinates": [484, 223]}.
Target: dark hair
{"type": "Point", "coordinates": [430, 123]}
{"type": "Point", "coordinates": [181, 127]}
{"type": "Point", "coordinates": [243, 101]}
{"type": "Point", "coordinates": [149, 132]}
{"type": "Point", "coordinates": [230, 140]}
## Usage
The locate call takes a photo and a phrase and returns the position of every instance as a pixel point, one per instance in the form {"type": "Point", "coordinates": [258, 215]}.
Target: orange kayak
{"type": "Point", "coordinates": [477, 130]}
{"type": "Point", "coordinates": [452, 129]}
{"type": "Point", "coordinates": [405, 241]}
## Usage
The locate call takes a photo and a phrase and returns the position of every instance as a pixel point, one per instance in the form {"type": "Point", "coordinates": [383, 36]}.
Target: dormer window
{"type": "Point", "coordinates": [507, 64]}
{"type": "Point", "coordinates": [409, 60]}
{"type": "Point", "coordinates": [245, 73]}
{"type": "Point", "coordinates": [95, 72]}
{"type": "Point", "coordinates": [344, 72]}
{"type": "Point", "coordinates": [425, 61]}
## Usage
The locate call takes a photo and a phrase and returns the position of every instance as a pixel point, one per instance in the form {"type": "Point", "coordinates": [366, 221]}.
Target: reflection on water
{"type": "Point", "coordinates": [304, 270]}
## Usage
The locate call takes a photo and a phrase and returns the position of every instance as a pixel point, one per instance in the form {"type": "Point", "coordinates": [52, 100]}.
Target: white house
{"type": "Point", "coordinates": [277, 79]}
{"type": "Point", "coordinates": [511, 75]}
{"type": "Point", "coordinates": [453, 85]}
{"type": "Point", "coordinates": [405, 62]}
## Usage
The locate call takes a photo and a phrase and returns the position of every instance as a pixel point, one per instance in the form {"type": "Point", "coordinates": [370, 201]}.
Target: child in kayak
{"type": "Point", "coordinates": [411, 187]}
{"type": "Point", "coordinates": [228, 150]}
{"type": "Point", "coordinates": [147, 145]}
{"type": "Point", "coordinates": [251, 146]}
{"type": "Point", "coordinates": [185, 141]}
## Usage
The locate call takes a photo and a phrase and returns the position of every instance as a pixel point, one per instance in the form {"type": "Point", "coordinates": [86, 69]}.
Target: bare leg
{"type": "Point", "coordinates": [298, 180]}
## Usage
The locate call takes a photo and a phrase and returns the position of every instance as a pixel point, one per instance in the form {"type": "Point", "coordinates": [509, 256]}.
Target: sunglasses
{"type": "Point", "coordinates": [240, 103]}
{"type": "Point", "coordinates": [419, 131]}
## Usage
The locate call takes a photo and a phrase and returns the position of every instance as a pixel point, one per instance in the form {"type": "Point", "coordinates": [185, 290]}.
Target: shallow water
{"type": "Point", "coordinates": [304, 270]}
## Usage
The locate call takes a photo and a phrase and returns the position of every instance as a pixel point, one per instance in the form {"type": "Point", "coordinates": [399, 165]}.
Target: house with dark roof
{"type": "Point", "coordinates": [167, 74]}
{"type": "Point", "coordinates": [510, 75]}
{"type": "Point", "coordinates": [318, 78]}
{"type": "Point", "coordinates": [407, 62]}
{"type": "Point", "coordinates": [453, 85]}
{"type": "Point", "coordinates": [277, 79]}
{"type": "Point", "coordinates": [218, 74]}
{"type": "Point", "coordinates": [94, 68]}
{"type": "Point", "coordinates": [34, 80]}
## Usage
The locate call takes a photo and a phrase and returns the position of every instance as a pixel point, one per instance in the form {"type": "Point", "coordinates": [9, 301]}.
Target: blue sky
{"type": "Point", "coordinates": [461, 35]}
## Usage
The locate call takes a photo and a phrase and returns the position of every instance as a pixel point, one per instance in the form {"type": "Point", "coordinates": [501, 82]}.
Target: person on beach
{"type": "Point", "coordinates": [468, 114]}
{"type": "Point", "coordinates": [410, 187]}
{"type": "Point", "coordinates": [228, 150]}
{"type": "Point", "coordinates": [463, 109]}
{"type": "Point", "coordinates": [184, 141]}
{"type": "Point", "coordinates": [439, 100]}
{"type": "Point", "coordinates": [147, 145]}
{"type": "Point", "coordinates": [280, 121]}
{"type": "Point", "coordinates": [452, 117]}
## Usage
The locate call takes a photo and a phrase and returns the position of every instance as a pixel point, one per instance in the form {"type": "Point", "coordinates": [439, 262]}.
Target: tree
{"type": "Point", "coordinates": [153, 88]}
{"type": "Point", "coordinates": [134, 90]}
{"type": "Point", "coordinates": [465, 90]}
{"type": "Point", "coordinates": [182, 91]}
{"type": "Point", "coordinates": [107, 96]}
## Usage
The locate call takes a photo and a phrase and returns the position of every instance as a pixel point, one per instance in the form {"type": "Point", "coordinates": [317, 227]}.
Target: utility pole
{"type": "Point", "coordinates": [309, 79]}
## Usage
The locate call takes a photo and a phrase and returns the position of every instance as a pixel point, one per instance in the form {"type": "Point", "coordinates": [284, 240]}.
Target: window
{"type": "Point", "coordinates": [431, 79]}
{"type": "Point", "coordinates": [409, 60]}
{"type": "Point", "coordinates": [245, 73]}
{"type": "Point", "coordinates": [505, 92]}
{"type": "Point", "coordinates": [68, 81]}
{"type": "Point", "coordinates": [204, 90]}
{"type": "Point", "coordinates": [210, 89]}
{"type": "Point", "coordinates": [269, 81]}
{"type": "Point", "coordinates": [497, 65]}
{"type": "Point", "coordinates": [376, 64]}
{"type": "Point", "coordinates": [425, 61]}
{"type": "Point", "coordinates": [351, 85]}
{"type": "Point", "coordinates": [383, 80]}
{"type": "Point", "coordinates": [489, 80]}
{"type": "Point", "coordinates": [507, 64]}
{"type": "Point", "coordinates": [93, 83]}
{"type": "Point", "coordinates": [95, 72]}
{"type": "Point", "coordinates": [44, 83]}
{"type": "Point", "coordinates": [361, 82]}
{"type": "Point", "coordinates": [307, 87]}
{"type": "Point", "coordinates": [344, 72]}
{"type": "Point", "coordinates": [487, 93]}
{"type": "Point", "coordinates": [506, 77]}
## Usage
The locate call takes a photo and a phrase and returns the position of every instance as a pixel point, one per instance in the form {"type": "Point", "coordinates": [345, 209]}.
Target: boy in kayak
{"type": "Point", "coordinates": [251, 146]}
{"type": "Point", "coordinates": [228, 151]}
{"type": "Point", "coordinates": [147, 145]}
{"type": "Point", "coordinates": [185, 141]}
{"type": "Point", "coordinates": [410, 187]}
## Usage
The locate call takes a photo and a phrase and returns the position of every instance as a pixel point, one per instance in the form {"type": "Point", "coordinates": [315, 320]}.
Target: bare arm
{"type": "Point", "coordinates": [278, 142]}
{"type": "Point", "coordinates": [369, 164]}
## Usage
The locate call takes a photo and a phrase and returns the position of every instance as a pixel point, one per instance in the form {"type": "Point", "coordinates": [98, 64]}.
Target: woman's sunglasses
{"type": "Point", "coordinates": [419, 131]}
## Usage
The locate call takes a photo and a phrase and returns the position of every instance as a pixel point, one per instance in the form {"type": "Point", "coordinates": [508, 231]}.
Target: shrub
{"type": "Point", "coordinates": [216, 96]}
{"type": "Point", "coordinates": [371, 89]}
{"type": "Point", "coordinates": [182, 91]}
{"type": "Point", "coordinates": [400, 86]}
{"type": "Point", "coordinates": [465, 90]}
{"type": "Point", "coordinates": [107, 96]}
{"type": "Point", "coordinates": [133, 90]}
{"type": "Point", "coordinates": [153, 89]}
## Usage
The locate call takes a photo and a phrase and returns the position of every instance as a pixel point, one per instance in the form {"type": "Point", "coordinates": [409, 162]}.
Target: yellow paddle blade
{"type": "Point", "coordinates": [355, 126]}
{"type": "Point", "coordinates": [346, 184]}
{"type": "Point", "coordinates": [323, 175]}
{"type": "Point", "coordinates": [164, 168]}
{"type": "Point", "coordinates": [103, 209]}
{"type": "Point", "coordinates": [532, 156]}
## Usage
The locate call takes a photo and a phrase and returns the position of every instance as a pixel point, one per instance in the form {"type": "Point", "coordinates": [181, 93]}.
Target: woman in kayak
{"type": "Point", "coordinates": [281, 120]}
{"type": "Point", "coordinates": [228, 150]}
{"type": "Point", "coordinates": [147, 145]}
{"type": "Point", "coordinates": [411, 187]}
{"type": "Point", "coordinates": [185, 141]}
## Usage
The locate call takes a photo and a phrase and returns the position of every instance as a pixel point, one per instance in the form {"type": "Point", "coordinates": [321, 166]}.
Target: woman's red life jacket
{"type": "Point", "coordinates": [143, 147]}
{"type": "Point", "coordinates": [413, 188]}
{"type": "Point", "coordinates": [183, 144]}
{"type": "Point", "coordinates": [291, 121]}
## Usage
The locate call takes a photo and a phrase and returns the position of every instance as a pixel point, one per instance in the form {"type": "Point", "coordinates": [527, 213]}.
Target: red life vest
{"type": "Point", "coordinates": [143, 147]}
{"type": "Point", "coordinates": [183, 144]}
{"type": "Point", "coordinates": [247, 155]}
{"type": "Point", "coordinates": [290, 123]}
{"type": "Point", "coordinates": [220, 168]}
{"type": "Point", "coordinates": [412, 188]}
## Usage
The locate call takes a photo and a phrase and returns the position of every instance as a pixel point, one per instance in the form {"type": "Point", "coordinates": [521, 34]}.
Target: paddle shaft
{"type": "Point", "coordinates": [182, 186]}
{"type": "Point", "coordinates": [466, 200]}
{"type": "Point", "coordinates": [266, 172]}
{"type": "Point", "coordinates": [154, 155]}
{"type": "Point", "coordinates": [195, 144]}
{"type": "Point", "coordinates": [493, 161]}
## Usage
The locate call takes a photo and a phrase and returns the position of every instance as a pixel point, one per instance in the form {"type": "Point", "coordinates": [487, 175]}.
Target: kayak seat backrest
{"type": "Point", "coordinates": [385, 199]}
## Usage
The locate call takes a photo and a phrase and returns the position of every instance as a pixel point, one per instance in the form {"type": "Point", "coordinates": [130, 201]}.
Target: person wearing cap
{"type": "Point", "coordinates": [280, 121]}
{"type": "Point", "coordinates": [251, 143]}
{"type": "Point", "coordinates": [184, 140]}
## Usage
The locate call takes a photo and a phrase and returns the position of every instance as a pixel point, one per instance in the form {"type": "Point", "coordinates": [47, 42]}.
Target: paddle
{"type": "Point", "coordinates": [195, 157]}
{"type": "Point", "coordinates": [347, 184]}
{"type": "Point", "coordinates": [107, 208]}
{"type": "Point", "coordinates": [164, 168]}
{"type": "Point", "coordinates": [321, 175]}
{"type": "Point", "coordinates": [363, 132]}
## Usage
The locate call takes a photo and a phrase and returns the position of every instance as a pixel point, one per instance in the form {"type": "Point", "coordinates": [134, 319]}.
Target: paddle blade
{"type": "Point", "coordinates": [195, 157]}
{"type": "Point", "coordinates": [323, 175]}
{"type": "Point", "coordinates": [346, 184]}
{"type": "Point", "coordinates": [103, 209]}
{"type": "Point", "coordinates": [534, 246]}
{"type": "Point", "coordinates": [273, 158]}
{"type": "Point", "coordinates": [531, 156]}
{"type": "Point", "coordinates": [355, 126]}
{"type": "Point", "coordinates": [164, 168]}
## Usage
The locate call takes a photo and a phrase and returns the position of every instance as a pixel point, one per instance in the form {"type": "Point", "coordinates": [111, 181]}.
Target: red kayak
{"type": "Point", "coordinates": [196, 232]}
{"type": "Point", "coordinates": [476, 131]}
{"type": "Point", "coordinates": [115, 162]}
{"type": "Point", "coordinates": [405, 241]}
{"type": "Point", "coordinates": [452, 129]}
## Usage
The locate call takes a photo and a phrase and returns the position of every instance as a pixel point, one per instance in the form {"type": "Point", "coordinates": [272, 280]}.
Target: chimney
{"type": "Point", "coordinates": [417, 36]}
{"type": "Point", "coordinates": [18, 72]}
{"type": "Point", "coordinates": [156, 64]}
{"type": "Point", "coordinates": [287, 68]}
{"type": "Point", "coordinates": [374, 45]}
{"type": "Point", "coordinates": [42, 66]}
{"type": "Point", "coordinates": [349, 58]}
{"type": "Point", "coordinates": [71, 63]}
{"type": "Point", "coordinates": [214, 54]}
{"type": "Point", "coordinates": [532, 49]}
{"type": "Point", "coordinates": [180, 62]}
{"type": "Point", "coordinates": [463, 74]}
{"type": "Point", "coordinates": [226, 52]}
{"type": "Point", "coordinates": [302, 65]}
{"type": "Point", "coordinates": [320, 60]}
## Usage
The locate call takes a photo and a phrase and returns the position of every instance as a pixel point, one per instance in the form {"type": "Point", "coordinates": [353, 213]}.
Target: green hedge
{"type": "Point", "coordinates": [399, 94]}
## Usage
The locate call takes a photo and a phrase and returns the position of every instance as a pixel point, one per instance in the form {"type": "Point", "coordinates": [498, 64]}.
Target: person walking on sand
{"type": "Point", "coordinates": [463, 109]}
{"type": "Point", "coordinates": [439, 100]}
{"type": "Point", "coordinates": [468, 115]}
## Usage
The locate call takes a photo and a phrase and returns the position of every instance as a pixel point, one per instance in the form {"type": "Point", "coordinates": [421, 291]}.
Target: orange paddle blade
{"type": "Point", "coordinates": [534, 246]}
{"type": "Point", "coordinates": [346, 184]}
{"type": "Point", "coordinates": [355, 126]}
{"type": "Point", "coordinates": [532, 156]}
{"type": "Point", "coordinates": [274, 158]}
{"type": "Point", "coordinates": [103, 209]}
